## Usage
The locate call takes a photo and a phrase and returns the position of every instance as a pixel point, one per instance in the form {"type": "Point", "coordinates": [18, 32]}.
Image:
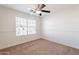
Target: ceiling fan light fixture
{"type": "Point", "coordinates": [38, 12]}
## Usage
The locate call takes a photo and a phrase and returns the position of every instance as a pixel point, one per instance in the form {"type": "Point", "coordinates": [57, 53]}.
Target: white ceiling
{"type": "Point", "coordinates": [25, 7]}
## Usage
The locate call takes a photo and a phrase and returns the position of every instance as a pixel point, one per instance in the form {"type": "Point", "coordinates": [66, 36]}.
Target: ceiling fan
{"type": "Point", "coordinates": [39, 9]}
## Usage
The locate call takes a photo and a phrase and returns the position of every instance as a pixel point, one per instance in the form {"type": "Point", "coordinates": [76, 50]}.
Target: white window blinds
{"type": "Point", "coordinates": [25, 26]}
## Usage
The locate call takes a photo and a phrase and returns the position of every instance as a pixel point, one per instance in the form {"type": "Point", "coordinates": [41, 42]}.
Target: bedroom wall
{"type": "Point", "coordinates": [62, 27]}
{"type": "Point", "coordinates": [8, 28]}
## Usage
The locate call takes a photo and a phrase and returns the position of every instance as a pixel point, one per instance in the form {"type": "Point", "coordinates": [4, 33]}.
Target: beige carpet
{"type": "Point", "coordinates": [39, 47]}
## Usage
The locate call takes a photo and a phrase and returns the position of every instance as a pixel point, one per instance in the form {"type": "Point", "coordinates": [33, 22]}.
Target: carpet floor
{"type": "Point", "coordinates": [39, 47]}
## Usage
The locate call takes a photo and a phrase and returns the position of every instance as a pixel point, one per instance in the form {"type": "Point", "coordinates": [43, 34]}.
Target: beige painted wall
{"type": "Point", "coordinates": [8, 28]}
{"type": "Point", "coordinates": [62, 27]}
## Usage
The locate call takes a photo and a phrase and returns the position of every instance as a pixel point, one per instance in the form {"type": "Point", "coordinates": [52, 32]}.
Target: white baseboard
{"type": "Point", "coordinates": [53, 40]}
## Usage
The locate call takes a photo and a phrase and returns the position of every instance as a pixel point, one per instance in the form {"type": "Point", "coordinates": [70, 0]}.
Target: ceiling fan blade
{"type": "Point", "coordinates": [45, 11]}
{"type": "Point", "coordinates": [37, 7]}
{"type": "Point", "coordinates": [42, 6]}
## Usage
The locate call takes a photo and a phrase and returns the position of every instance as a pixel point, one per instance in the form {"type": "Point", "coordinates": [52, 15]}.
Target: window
{"type": "Point", "coordinates": [25, 26]}
{"type": "Point", "coordinates": [31, 26]}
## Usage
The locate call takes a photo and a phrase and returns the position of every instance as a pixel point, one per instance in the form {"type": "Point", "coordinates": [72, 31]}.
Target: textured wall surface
{"type": "Point", "coordinates": [63, 26]}
{"type": "Point", "coordinates": [8, 28]}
